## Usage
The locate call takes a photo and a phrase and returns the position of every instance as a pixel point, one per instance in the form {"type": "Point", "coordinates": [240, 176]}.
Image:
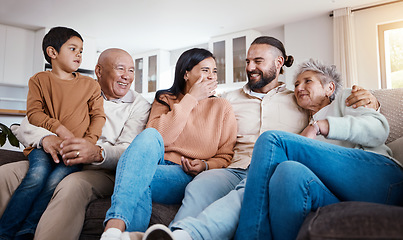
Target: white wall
{"type": "Point", "coordinates": [17, 51]}
{"type": "Point", "coordinates": [274, 32]}
{"type": "Point", "coordinates": [366, 24]}
{"type": "Point", "coordinates": [311, 38]}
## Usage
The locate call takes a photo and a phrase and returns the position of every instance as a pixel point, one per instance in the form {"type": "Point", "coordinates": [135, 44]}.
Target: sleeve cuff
{"type": "Point", "coordinates": [103, 156]}
{"type": "Point", "coordinates": [40, 141]}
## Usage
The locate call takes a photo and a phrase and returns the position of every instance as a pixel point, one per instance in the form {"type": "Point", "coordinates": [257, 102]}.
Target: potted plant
{"type": "Point", "coordinates": [6, 133]}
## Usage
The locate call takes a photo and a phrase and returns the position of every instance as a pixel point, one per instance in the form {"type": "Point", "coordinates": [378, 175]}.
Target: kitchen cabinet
{"type": "Point", "coordinates": [152, 72]}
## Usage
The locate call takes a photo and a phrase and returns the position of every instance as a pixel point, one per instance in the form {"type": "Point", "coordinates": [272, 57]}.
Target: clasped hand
{"type": "Point", "coordinates": [68, 149]}
{"type": "Point", "coordinates": [192, 167]}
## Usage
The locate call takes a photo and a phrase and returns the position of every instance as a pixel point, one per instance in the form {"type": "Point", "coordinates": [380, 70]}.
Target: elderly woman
{"type": "Point", "coordinates": [290, 175]}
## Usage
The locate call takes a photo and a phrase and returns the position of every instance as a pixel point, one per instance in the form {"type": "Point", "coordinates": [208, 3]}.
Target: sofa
{"type": "Point", "coordinates": [346, 220]}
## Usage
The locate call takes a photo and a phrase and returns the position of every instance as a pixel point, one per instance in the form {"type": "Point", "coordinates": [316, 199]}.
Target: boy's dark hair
{"type": "Point", "coordinates": [56, 37]}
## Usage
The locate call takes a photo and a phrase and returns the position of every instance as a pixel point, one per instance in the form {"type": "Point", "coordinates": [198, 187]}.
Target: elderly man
{"type": "Point", "coordinates": [126, 115]}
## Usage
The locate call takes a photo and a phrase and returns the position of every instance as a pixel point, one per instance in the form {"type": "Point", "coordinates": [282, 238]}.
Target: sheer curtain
{"type": "Point", "coordinates": [344, 46]}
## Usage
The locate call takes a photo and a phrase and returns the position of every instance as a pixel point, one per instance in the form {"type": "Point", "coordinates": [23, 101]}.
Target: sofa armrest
{"type": "Point", "coordinates": [353, 220]}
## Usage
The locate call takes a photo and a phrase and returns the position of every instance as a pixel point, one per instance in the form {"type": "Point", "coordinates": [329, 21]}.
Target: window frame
{"type": "Point", "coordinates": [381, 46]}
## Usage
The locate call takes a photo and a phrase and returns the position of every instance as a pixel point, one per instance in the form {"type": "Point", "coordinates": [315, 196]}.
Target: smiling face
{"type": "Point", "coordinates": [115, 73]}
{"type": "Point", "coordinates": [262, 67]}
{"type": "Point", "coordinates": [310, 93]}
{"type": "Point", "coordinates": [206, 68]}
{"type": "Point", "coordinates": [69, 56]}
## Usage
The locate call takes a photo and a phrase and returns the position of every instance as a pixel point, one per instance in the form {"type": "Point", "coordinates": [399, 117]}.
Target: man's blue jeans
{"type": "Point", "coordinates": [217, 221]}
{"type": "Point", "coordinates": [143, 177]}
{"type": "Point", "coordinates": [291, 175]}
{"type": "Point", "coordinates": [31, 198]}
{"type": "Point", "coordinates": [206, 188]}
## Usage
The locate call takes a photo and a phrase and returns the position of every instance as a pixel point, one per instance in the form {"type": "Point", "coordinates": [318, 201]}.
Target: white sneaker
{"type": "Point", "coordinates": [180, 234]}
{"type": "Point", "coordinates": [125, 236]}
{"type": "Point", "coordinates": [111, 234]}
{"type": "Point", "coordinates": [158, 232]}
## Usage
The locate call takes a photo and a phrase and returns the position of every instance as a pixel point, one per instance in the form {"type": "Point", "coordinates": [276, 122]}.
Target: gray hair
{"type": "Point", "coordinates": [326, 73]}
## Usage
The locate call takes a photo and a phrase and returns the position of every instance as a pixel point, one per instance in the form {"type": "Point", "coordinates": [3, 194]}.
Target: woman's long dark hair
{"type": "Point", "coordinates": [186, 62]}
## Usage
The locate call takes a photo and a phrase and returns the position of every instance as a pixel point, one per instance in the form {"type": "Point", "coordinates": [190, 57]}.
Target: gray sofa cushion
{"type": "Point", "coordinates": [397, 149]}
{"type": "Point", "coordinates": [95, 215]}
{"type": "Point", "coordinates": [8, 156]}
{"type": "Point", "coordinates": [353, 220]}
{"type": "Point", "coordinates": [392, 107]}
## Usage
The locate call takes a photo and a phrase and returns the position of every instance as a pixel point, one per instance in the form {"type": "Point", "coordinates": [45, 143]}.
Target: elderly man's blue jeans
{"type": "Point", "coordinates": [291, 175]}
{"type": "Point", "coordinates": [143, 177]}
{"type": "Point", "coordinates": [31, 198]}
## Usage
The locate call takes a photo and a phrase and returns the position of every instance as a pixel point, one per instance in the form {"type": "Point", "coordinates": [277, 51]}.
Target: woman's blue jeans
{"type": "Point", "coordinates": [143, 177]}
{"type": "Point", "coordinates": [32, 196]}
{"type": "Point", "coordinates": [291, 175]}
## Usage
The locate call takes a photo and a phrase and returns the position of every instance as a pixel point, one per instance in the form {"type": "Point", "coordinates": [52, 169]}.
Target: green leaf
{"type": "Point", "coordinates": [6, 133]}
{"type": "Point", "coordinates": [2, 139]}
{"type": "Point", "coordinates": [13, 140]}
{"type": "Point", "coordinates": [3, 134]}
{"type": "Point", "coordinates": [3, 128]}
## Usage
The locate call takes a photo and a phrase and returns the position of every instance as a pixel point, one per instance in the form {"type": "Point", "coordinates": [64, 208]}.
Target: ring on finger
{"type": "Point", "coordinates": [78, 154]}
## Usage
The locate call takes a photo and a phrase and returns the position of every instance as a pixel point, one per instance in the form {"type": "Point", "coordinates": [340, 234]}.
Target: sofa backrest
{"type": "Point", "coordinates": [392, 108]}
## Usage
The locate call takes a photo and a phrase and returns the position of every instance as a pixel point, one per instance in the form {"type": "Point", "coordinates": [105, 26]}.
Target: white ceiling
{"type": "Point", "coordinates": [143, 25]}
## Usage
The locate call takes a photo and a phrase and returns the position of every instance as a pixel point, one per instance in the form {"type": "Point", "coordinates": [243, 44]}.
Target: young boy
{"type": "Point", "coordinates": [69, 105]}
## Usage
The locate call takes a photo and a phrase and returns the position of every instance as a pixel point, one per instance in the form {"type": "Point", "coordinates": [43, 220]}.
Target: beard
{"type": "Point", "coordinates": [265, 78]}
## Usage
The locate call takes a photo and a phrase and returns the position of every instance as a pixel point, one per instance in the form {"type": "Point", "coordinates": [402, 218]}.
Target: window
{"type": "Point", "coordinates": [138, 82]}
{"type": "Point", "coordinates": [390, 37]}
{"type": "Point", "coordinates": [152, 73]}
{"type": "Point", "coordinates": [239, 56]}
{"type": "Point", "coordinates": [219, 53]}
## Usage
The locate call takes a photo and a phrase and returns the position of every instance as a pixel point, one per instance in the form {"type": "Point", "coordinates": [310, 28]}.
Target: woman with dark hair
{"type": "Point", "coordinates": [188, 131]}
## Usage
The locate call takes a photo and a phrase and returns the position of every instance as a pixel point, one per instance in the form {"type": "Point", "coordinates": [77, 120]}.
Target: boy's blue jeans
{"type": "Point", "coordinates": [31, 198]}
{"type": "Point", "coordinates": [143, 177]}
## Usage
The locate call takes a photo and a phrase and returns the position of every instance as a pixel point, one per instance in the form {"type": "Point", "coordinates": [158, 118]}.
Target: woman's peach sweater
{"type": "Point", "coordinates": [205, 129]}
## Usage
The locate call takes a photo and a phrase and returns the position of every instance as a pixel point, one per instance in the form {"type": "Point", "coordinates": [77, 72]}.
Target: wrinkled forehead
{"type": "Point", "coordinates": [122, 58]}
{"type": "Point", "coordinates": [309, 74]}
